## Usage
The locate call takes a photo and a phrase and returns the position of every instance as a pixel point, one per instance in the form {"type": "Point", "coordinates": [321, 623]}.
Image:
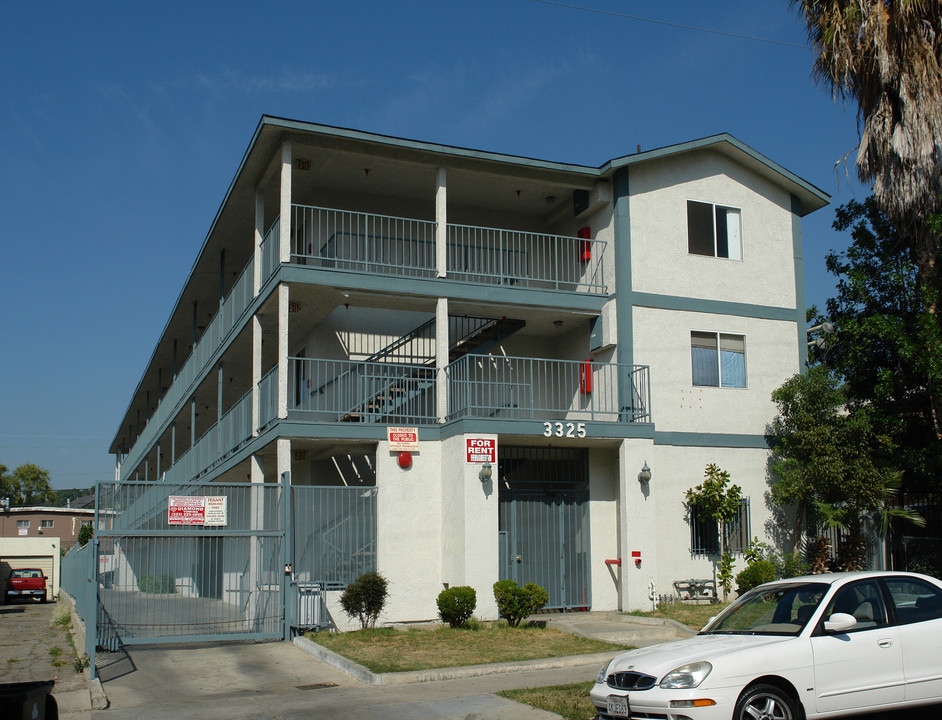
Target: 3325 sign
{"type": "Point", "coordinates": [563, 429]}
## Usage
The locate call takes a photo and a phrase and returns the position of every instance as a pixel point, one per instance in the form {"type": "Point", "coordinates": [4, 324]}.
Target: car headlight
{"type": "Point", "coordinates": [603, 674]}
{"type": "Point", "coordinates": [687, 676]}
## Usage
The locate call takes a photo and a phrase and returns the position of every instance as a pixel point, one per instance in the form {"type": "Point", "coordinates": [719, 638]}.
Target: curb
{"type": "Point", "coordinates": [358, 672]}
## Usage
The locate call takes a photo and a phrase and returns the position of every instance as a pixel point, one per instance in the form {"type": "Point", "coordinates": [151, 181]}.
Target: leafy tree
{"type": "Point", "coordinates": [86, 533]}
{"type": "Point", "coordinates": [64, 497]}
{"type": "Point", "coordinates": [888, 353]}
{"type": "Point", "coordinates": [365, 598]}
{"type": "Point", "coordinates": [27, 485]}
{"type": "Point", "coordinates": [829, 460]}
{"type": "Point", "coordinates": [716, 498]}
{"type": "Point", "coordinates": [887, 55]}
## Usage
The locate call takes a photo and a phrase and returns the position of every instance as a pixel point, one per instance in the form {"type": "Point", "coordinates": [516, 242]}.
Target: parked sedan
{"type": "Point", "coordinates": [814, 646]}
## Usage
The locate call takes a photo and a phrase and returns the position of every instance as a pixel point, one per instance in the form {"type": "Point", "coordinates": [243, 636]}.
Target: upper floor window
{"type": "Point", "coordinates": [22, 524]}
{"type": "Point", "coordinates": [718, 359]}
{"type": "Point", "coordinates": [46, 523]}
{"type": "Point", "coordinates": [714, 230]}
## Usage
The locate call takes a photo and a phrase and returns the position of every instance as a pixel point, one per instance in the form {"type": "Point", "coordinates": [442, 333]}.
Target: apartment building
{"type": "Point", "coordinates": [455, 366]}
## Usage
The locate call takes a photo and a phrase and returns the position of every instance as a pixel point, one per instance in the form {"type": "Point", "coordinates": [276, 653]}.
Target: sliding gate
{"type": "Point", "coordinates": [210, 568]}
{"type": "Point", "coordinates": [544, 522]}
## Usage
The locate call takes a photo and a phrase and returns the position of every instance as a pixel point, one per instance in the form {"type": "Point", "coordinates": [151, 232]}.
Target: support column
{"type": "Point", "coordinates": [441, 223]}
{"type": "Point", "coordinates": [282, 351]}
{"type": "Point", "coordinates": [624, 330]}
{"type": "Point", "coordinates": [441, 359]}
{"type": "Point", "coordinates": [284, 241]}
{"type": "Point", "coordinates": [256, 371]}
{"type": "Point", "coordinates": [256, 522]}
{"type": "Point", "coordinates": [259, 236]}
{"type": "Point", "coordinates": [637, 524]}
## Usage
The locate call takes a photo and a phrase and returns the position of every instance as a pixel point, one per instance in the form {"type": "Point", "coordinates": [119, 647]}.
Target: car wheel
{"type": "Point", "coordinates": [765, 702]}
{"type": "Point", "coordinates": [45, 596]}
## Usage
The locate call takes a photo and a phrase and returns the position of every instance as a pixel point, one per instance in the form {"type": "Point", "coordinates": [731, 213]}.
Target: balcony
{"type": "Point", "coordinates": [403, 247]}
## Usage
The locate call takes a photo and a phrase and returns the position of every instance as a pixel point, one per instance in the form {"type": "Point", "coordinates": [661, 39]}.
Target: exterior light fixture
{"type": "Point", "coordinates": [487, 471]}
{"type": "Point", "coordinates": [645, 475]}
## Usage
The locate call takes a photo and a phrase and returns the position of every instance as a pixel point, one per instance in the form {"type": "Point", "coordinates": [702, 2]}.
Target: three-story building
{"type": "Point", "coordinates": [457, 366]}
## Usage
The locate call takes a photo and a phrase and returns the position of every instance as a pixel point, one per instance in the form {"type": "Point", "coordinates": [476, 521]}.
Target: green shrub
{"type": "Point", "coordinates": [365, 597]}
{"type": "Point", "coordinates": [86, 533]}
{"type": "Point", "coordinates": [165, 583]}
{"type": "Point", "coordinates": [756, 573]}
{"type": "Point", "coordinates": [515, 603]}
{"type": "Point", "coordinates": [456, 604]}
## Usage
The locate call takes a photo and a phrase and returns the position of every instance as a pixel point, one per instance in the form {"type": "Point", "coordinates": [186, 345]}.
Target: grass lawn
{"type": "Point", "coordinates": [391, 650]}
{"type": "Point", "coordinates": [693, 616]}
{"type": "Point", "coordinates": [570, 701]}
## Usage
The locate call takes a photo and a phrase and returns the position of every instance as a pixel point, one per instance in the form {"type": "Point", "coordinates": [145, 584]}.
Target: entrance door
{"type": "Point", "coordinates": [544, 522]}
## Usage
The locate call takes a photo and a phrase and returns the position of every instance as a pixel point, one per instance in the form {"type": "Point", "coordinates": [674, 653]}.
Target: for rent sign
{"type": "Point", "coordinates": [482, 450]}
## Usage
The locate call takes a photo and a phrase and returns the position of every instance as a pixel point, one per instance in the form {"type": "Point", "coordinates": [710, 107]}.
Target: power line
{"type": "Point", "coordinates": [681, 26]}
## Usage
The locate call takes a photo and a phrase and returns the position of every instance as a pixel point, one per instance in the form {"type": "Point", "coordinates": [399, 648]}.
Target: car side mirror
{"type": "Point", "coordinates": [840, 622]}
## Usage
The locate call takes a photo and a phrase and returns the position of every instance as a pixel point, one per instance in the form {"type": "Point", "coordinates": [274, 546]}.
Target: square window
{"type": "Point", "coordinates": [46, 523]}
{"type": "Point", "coordinates": [705, 532]}
{"type": "Point", "coordinates": [714, 230]}
{"type": "Point", "coordinates": [22, 524]}
{"type": "Point", "coordinates": [718, 359]}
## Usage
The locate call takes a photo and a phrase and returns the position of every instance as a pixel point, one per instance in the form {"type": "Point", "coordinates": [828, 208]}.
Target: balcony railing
{"type": "Point", "coordinates": [537, 389]}
{"type": "Point", "coordinates": [366, 392]}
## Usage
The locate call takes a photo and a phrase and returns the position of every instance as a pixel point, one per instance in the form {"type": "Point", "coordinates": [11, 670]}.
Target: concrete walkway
{"type": "Point", "coordinates": [239, 681]}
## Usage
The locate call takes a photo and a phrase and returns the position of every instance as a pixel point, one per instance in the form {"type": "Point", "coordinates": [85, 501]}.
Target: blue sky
{"type": "Point", "coordinates": [123, 125]}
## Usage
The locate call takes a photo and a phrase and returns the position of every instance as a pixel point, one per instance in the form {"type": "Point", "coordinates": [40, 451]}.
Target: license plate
{"type": "Point", "coordinates": [618, 706]}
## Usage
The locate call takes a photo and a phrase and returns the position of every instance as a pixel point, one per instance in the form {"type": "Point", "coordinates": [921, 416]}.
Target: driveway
{"type": "Point", "coordinates": [33, 648]}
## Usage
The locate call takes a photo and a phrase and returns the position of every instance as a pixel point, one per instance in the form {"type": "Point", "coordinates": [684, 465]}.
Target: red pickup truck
{"type": "Point", "coordinates": [26, 582]}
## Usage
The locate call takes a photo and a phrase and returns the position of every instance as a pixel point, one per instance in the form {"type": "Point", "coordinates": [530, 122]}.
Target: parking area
{"type": "Point", "coordinates": [34, 647]}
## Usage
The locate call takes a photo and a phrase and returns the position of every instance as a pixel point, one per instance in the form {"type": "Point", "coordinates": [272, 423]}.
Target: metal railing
{"type": "Point", "coordinates": [540, 389]}
{"type": "Point", "coordinates": [268, 398]}
{"type": "Point", "coordinates": [525, 259]}
{"type": "Point", "coordinates": [347, 391]}
{"type": "Point", "coordinates": [344, 240]}
{"type": "Point", "coordinates": [270, 251]}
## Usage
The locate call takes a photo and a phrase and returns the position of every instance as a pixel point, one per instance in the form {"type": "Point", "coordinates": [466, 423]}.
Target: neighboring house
{"type": "Point", "coordinates": [453, 366]}
{"type": "Point", "coordinates": [49, 522]}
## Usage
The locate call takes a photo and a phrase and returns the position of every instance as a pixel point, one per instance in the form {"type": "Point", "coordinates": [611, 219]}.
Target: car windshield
{"type": "Point", "coordinates": [778, 610]}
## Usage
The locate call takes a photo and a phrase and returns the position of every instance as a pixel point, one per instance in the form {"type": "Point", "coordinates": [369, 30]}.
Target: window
{"type": "Point", "coordinates": [22, 524]}
{"type": "Point", "coordinates": [705, 532]}
{"type": "Point", "coordinates": [718, 360]}
{"type": "Point", "coordinates": [863, 600]}
{"type": "Point", "coordinates": [46, 523]}
{"type": "Point", "coordinates": [713, 230]}
{"type": "Point", "coordinates": [915, 600]}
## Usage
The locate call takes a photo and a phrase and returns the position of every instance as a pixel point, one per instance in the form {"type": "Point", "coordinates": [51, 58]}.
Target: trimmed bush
{"type": "Point", "coordinates": [166, 583]}
{"type": "Point", "coordinates": [756, 573]}
{"type": "Point", "coordinates": [456, 604]}
{"type": "Point", "coordinates": [364, 598]}
{"type": "Point", "coordinates": [515, 603]}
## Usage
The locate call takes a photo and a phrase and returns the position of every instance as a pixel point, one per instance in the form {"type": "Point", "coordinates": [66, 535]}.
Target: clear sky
{"type": "Point", "coordinates": [122, 125]}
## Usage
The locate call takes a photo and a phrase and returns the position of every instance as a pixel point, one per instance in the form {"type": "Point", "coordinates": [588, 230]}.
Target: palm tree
{"type": "Point", "coordinates": [887, 55]}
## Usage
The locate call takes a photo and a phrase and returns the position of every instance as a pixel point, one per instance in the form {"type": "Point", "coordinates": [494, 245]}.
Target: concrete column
{"type": "Point", "coordinates": [282, 351]}
{"type": "Point", "coordinates": [256, 371]}
{"type": "Point", "coordinates": [256, 522]}
{"type": "Point", "coordinates": [284, 241]}
{"type": "Point", "coordinates": [259, 236]}
{"type": "Point", "coordinates": [441, 223]}
{"type": "Point", "coordinates": [441, 358]}
{"type": "Point", "coordinates": [637, 524]}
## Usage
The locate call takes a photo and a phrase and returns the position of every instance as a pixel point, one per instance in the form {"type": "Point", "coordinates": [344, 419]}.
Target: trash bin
{"type": "Point", "coordinates": [28, 701]}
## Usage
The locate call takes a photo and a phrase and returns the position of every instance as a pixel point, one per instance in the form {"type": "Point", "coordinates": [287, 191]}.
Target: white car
{"type": "Point", "coordinates": [808, 647]}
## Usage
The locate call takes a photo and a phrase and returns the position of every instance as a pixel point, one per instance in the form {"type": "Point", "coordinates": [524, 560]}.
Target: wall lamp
{"type": "Point", "coordinates": [645, 475]}
{"type": "Point", "coordinates": [487, 471]}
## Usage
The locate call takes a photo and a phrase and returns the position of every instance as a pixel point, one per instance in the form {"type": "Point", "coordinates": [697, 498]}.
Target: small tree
{"type": "Point", "coordinates": [365, 597]}
{"type": "Point", "coordinates": [86, 533]}
{"type": "Point", "coordinates": [515, 603]}
{"type": "Point", "coordinates": [716, 498]}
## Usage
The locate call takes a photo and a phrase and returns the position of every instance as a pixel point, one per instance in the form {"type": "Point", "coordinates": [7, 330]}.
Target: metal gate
{"type": "Point", "coordinates": [544, 522]}
{"type": "Point", "coordinates": [221, 577]}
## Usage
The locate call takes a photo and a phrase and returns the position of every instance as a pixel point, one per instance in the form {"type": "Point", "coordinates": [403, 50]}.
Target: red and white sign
{"type": "Point", "coordinates": [196, 510]}
{"type": "Point", "coordinates": [403, 439]}
{"type": "Point", "coordinates": [482, 450]}
{"type": "Point", "coordinates": [186, 510]}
